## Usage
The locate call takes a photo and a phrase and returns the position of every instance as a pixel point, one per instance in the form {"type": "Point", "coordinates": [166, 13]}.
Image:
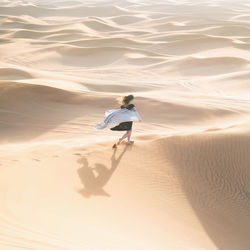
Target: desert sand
{"type": "Point", "coordinates": [185, 182]}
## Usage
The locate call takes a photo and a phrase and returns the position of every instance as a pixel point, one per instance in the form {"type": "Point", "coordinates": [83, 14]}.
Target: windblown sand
{"type": "Point", "coordinates": [184, 184]}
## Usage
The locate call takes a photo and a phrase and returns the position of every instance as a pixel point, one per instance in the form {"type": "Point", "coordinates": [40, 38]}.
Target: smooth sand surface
{"type": "Point", "coordinates": [185, 182]}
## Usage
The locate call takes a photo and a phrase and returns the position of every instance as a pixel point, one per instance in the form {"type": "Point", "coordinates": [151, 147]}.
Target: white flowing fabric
{"type": "Point", "coordinates": [116, 116]}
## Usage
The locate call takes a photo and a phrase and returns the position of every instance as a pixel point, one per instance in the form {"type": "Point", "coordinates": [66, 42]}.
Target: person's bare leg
{"type": "Point", "coordinates": [129, 135]}
{"type": "Point", "coordinates": [122, 138]}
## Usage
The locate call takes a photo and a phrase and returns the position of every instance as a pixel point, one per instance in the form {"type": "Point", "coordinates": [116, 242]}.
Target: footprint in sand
{"type": "Point", "coordinates": [78, 154]}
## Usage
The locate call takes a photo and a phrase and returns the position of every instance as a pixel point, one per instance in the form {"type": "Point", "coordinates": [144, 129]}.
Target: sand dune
{"type": "Point", "coordinates": [127, 19]}
{"type": "Point", "coordinates": [95, 56]}
{"type": "Point", "coordinates": [12, 74]}
{"type": "Point", "coordinates": [21, 24]}
{"type": "Point", "coordinates": [81, 11]}
{"type": "Point", "coordinates": [193, 66]}
{"type": "Point", "coordinates": [189, 46]}
{"type": "Point", "coordinates": [207, 157]}
{"type": "Point", "coordinates": [232, 30]}
{"type": "Point", "coordinates": [99, 26]}
{"type": "Point", "coordinates": [118, 42]}
{"type": "Point", "coordinates": [3, 32]}
{"type": "Point", "coordinates": [218, 167]}
{"type": "Point", "coordinates": [24, 33]}
{"type": "Point", "coordinates": [183, 184]}
{"type": "Point", "coordinates": [242, 17]}
{"type": "Point", "coordinates": [40, 107]}
{"type": "Point", "coordinates": [64, 37]}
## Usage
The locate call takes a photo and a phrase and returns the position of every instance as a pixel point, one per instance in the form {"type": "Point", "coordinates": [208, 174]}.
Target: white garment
{"type": "Point", "coordinates": [116, 116]}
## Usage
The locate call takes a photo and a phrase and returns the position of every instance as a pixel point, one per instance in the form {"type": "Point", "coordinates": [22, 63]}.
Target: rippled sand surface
{"type": "Point", "coordinates": [185, 182]}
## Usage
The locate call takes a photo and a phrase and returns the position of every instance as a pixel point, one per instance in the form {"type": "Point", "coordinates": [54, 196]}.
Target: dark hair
{"type": "Point", "coordinates": [127, 99]}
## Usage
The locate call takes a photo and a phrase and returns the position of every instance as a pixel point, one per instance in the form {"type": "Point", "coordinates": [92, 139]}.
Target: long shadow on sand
{"type": "Point", "coordinates": [95, 178]}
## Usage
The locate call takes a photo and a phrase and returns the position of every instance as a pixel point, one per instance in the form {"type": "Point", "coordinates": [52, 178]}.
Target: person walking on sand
{"type": "Point", "coordinates": [121, 119]}
{"type": "Point", "coordinates": [125, 126]}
